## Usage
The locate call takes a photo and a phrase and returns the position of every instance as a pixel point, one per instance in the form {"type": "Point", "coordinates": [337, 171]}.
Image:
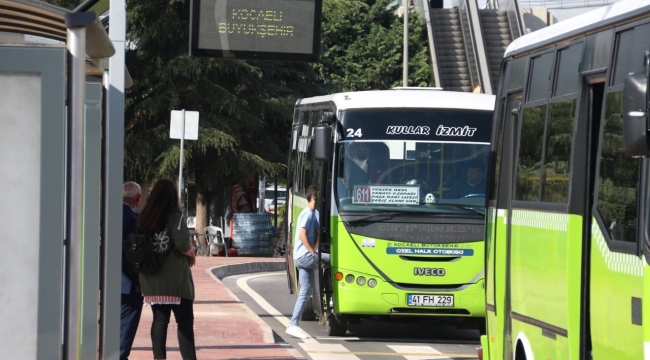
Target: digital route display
{"type": "Point", "coordinates": [280, 30]}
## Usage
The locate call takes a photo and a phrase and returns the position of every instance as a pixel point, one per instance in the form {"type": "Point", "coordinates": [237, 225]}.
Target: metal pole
{"type": "Point", "coordinates": [180, 167]}
{"type": "Point", "coordinates": [77, 71]}
{"type": "Point", "coordinates": [275, 212]}
{"type": "Point", "coordinates": [406, 43]}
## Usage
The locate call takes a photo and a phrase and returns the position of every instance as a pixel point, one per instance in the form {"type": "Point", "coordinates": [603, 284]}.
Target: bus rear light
{"type": "Point", "coordinates": [338, 276]}
{"type": "Point", "coordinates": [361, 281]}
{"type": "Point", "coordinates": [372, 283]}
{"type": "Point", "coordinates": [349, 278]}
{"type": "Point", "coordinates": [480, 353]}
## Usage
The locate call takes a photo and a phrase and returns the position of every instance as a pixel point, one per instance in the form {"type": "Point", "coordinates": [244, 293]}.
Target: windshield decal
{"type": "Point", "coordinates": [420, 251]}
{"type": "Point", "coordinates": [408, 130]}
{"type": "Point", "coordinates": [377, 194]}
{"type": "Point", "coordinates": [455, 131]}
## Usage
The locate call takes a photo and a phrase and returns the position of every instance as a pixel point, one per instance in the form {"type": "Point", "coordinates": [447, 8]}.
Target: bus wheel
{"type": "Point", "coordinates": [337, 325]}
{"type": "Point", "coordinates": [308, 314]}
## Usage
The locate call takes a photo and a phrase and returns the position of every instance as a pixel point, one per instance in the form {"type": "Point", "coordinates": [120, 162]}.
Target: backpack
{"type": "Point", "coordinates": [140, 254]}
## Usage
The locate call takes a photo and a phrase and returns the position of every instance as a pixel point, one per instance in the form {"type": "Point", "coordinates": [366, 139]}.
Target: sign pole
{"type": "Point", "coordinates": [180, 167]}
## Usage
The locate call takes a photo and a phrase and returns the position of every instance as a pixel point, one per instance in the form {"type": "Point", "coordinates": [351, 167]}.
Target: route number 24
{"type": "Point", "coordinates": [354, 133]}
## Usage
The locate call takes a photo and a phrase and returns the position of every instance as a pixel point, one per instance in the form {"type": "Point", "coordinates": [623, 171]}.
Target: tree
{"type": "Point", "coordinates": [364, 47]}
{"type": "Point", "coordinates": [243, 106]}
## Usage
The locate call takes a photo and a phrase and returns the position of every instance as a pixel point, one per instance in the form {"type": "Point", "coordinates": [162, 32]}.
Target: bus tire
{"type": "Point", "coordinates": [308, 313]}
{"type": "Point", "coordinates": [337, 325]}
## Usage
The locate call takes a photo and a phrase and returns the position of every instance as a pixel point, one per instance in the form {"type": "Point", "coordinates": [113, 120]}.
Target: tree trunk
{"type": "Point", "coordinates": [201, 211]}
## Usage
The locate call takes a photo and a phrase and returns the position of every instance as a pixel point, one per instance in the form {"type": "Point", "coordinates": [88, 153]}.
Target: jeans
{"type": "Point", "coordinates": [131, 309]}
{"type": "Point", "coordinates": [184, 314]}
{"type": "Point", "coordinates": [306, 265]}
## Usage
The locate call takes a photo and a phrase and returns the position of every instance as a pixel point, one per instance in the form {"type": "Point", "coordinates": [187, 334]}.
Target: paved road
{"type": "Point", "coordinates": [267, 295]}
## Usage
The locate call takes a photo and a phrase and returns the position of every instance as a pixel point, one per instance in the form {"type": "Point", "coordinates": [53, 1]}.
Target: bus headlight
{"type": "Point", "coordinates": [361, 281]}
{"type": "Point", "coordinates": [349, 278]}
{"type": "Point", "coordinates": [372, 283]}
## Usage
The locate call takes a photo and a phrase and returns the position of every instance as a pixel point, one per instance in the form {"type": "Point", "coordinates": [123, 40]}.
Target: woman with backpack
{"type": "Point", "coordinates": [172, 288]}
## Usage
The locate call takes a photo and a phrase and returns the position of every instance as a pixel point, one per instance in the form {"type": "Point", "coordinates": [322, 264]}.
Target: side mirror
{"type": "Point", "coordinates": [327, 117]}
{"type": "Point", "coordinates": [322, 143]}
{"type": "Point", "coordinates": [635, 113]}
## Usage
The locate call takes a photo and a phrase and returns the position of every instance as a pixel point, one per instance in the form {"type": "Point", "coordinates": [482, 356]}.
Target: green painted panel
{"type": "Point", "coordinates": [615, 279]}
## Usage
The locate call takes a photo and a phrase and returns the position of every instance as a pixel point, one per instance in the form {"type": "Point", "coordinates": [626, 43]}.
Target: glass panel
{"type": "Point", "coordinates": [568, 76]}
{"type": "Point", "coordinates": [540, 77]}
{"type": "Point", "coordinates": [624, 59]}
{"type": "Point", "coordinates": [618, 182]}
{"type": "Point", "coordinates": [429, 174]}
{"type": "Point", "coordinates": [497, 149]}
{"type": "Point", "coordinates": [530, 154]}
{"type": "Point", "coordinates": [516, 73]}
{"type": "Point", "coordinates": [557, 162]}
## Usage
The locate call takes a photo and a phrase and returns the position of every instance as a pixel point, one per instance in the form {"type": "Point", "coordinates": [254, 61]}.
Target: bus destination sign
{"type": "Point", "coordinates": [378, 194]}
{"type": "Point", "coordinates": [279, 30]}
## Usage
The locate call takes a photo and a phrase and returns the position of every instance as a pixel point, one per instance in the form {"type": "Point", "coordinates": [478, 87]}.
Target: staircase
{"type": "Point", "coordinates": [496, 34]}
{"type": "Point", "coordinates": [450, 50]}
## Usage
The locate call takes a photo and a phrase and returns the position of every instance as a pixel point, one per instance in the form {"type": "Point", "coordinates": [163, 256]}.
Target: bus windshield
{"type": "Point", "coordinates": [412, 160]}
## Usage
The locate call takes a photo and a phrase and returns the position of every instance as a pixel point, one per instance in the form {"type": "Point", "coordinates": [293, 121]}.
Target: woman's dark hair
{"type": "Point", "coordinates": [162, 201]}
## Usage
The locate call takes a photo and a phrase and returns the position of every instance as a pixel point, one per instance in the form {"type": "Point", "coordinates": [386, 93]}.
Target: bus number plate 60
{"type": "Point", "coordinates": [430, 300]}
{"type": "Point", "coordinates": [362, 194]}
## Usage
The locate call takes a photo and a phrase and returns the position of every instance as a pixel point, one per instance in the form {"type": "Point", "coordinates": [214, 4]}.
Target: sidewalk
{"type": "Point", "coordinates": [225, 328]}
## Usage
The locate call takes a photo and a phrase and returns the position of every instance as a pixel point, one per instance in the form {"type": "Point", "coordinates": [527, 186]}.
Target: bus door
{"type": "Point", "coordinates": [583, 198]}
{"type": "Point", "coordinates": [616, 271]}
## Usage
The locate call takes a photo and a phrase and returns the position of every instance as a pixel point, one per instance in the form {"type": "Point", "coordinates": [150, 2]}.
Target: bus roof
{"type": "Point", "coordinates": [601, 17]}
{"type": "Point", "coordinates": [405, 98]}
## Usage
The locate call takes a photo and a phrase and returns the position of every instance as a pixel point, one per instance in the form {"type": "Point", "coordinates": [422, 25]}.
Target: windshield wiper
{"type": "Point", "coordinates": [388, 215]}
{"type": "Point", "coordinates": [464, 207]}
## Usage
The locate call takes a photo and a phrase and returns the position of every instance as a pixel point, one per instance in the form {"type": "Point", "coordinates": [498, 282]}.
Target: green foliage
{"type": "Point", "coordinates": [245, 107]}
{"type": "Point", "coordinates": [364, 47]}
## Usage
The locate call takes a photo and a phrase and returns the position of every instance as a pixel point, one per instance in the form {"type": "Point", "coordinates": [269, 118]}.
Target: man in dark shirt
{"type": "Point", "coordinates": [131, 302]}
{"type": "Point", "coordinates": [473, 185]}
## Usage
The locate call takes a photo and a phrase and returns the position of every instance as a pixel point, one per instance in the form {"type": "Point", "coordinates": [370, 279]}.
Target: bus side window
{"type": "Point", "coordinates": [618, 183]}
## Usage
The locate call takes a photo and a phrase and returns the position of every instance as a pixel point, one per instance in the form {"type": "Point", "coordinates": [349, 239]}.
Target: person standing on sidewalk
{"type": "Point", "coordinates": [131, 301]}
{"type": "Point", "coordinates": [172, 288]}
{"type": "Point", "coordinates": [305, 256]}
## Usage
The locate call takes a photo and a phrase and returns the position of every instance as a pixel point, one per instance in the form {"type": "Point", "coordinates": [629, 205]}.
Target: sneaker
{"type": "Point", "coordinates": [295, 331]}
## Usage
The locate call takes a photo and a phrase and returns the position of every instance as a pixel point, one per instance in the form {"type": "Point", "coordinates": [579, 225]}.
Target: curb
{"type": "Point", "coordinates": [222, 271]}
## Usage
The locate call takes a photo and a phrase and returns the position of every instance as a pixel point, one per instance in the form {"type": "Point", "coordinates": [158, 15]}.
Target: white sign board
{"type": "Point", "coordinates": [382, 194]}
{"type": "Point", "coordinates": [191, 125]}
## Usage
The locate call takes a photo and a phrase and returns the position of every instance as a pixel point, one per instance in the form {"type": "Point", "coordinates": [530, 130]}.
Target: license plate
{"type": "Point", "coordinates": [430, 300]}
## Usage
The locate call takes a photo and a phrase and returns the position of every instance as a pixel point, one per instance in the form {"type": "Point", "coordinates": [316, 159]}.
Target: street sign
{"type": "Point", "coordinates": [277, 30]}
{"type": "Point", "coordinates": [191, 125]}
{"type": "Point", "coordinates": [184, 125]}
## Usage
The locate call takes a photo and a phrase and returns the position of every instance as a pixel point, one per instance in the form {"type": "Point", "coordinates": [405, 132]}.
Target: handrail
{"type": "Point", "coordinates": [479, 45]}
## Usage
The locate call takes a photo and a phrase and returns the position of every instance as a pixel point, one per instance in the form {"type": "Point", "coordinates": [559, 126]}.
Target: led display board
{"type": "Point", "coordinates": [282, 30]}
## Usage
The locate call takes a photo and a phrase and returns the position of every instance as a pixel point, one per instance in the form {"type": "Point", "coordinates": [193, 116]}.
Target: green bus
{"type": "Point", "coordinates": [401, 202]}
{"type": "Point", "coordinates": [567, 225]}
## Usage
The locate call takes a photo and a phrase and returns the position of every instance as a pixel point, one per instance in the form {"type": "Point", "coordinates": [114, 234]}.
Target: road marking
{"type": "Point", "coordinates": [415, 352]}
{"type": "Point", "coordinates": [325, 352]}
{"type": "Point", "coordinates": [378, 353]}
{"type": "Point", "coordinates": [242, 283]}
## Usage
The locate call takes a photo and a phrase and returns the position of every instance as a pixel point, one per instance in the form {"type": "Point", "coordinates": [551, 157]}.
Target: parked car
{"type": "Point", "coordinates": [274, 207]}
{"type": "Point", "coordinates": [269, 195]}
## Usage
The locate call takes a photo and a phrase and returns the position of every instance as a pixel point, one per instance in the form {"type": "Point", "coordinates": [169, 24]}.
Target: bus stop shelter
{"type": "Point", "coordinates": [62, 80]}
